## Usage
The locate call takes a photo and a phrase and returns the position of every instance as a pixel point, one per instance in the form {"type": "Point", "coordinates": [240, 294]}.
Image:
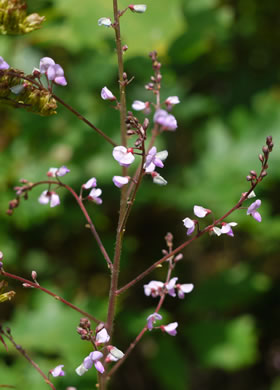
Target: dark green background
{"type": "Point", "coordinates": [222, 58]}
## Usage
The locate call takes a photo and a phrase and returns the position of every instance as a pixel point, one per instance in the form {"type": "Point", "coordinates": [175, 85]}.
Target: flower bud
{"type": "Point", "coordinates": [34, 275]}
{"type": "Point", "coordinates": [104, 22]}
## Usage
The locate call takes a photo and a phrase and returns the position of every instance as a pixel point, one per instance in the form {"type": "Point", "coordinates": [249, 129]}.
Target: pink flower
{"type": "Point", "coordinates": [153, 288]}
{"type": "Point", "coordinates": [90, 183]}
{"type": "Point", "coordinates": [123, 155]}
{"type": "Point", "coordinates": [225, 229]}
{"type": "Point", "coordinates": [120, 181]}
{"type": "Point", "coordinates": [183, 289]}
{"type": "Point", "coordinates": [62, 171]}
{"type": "Point", "coordinates": [200, 211]}
{"type": "Point", "coordinates": [154, 159]}
{"type": "Point", "coordinates": [3, 64]}
{"type": "Point", "coordinates": [114, 354]}
{"type": "Point", "coordinates": [190, 225]}
{"type": "Point", "coordinates": [102, 337]}
{"type": "Point", "coordinates": [106, 94]}
{"type": "Point", "coordinates": [171, 287]}
{"type": "Point", "coordinates": [252, 210]}
{"type": "Point", "coordinates": [170, 328]}
{"type": "Point", "coordinates": [171, 101]}
{"type": "Point", "coordinates": [92, 359]}
{"type": "Point", "coordinates": [139, 8]}
{"type": "Point", "coordinates": [57, 371]}
{"type": "Point", "coordinates": [49, 197]}
{"type": "Point", "coordinates": [138, 105]}
{"type": "Point", "coordinates": [166, 120]}
{"type": "Point", "coordinates": [151, 319]}
{"type": "Point", "coordinates": [94, 195]}
{"type": "Point", "coordinates": [53, 71]}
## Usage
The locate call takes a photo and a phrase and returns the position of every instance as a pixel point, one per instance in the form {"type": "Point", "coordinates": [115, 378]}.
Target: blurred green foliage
{"type": "Point", "coordinates": [222, 59]}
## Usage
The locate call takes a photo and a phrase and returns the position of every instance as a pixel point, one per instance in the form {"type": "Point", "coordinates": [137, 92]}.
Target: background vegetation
{"type": "Point", "coordinates": [222, 57]}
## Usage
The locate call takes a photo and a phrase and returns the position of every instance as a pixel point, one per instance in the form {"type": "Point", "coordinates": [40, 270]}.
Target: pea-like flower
{"type": "Point", "coordinates": [102, 337]}
{"type": "Point", "coordinates": [104, 22]}
{"type": "Point", "coordinates": [166, 120]}
{"type": "Point", "coordinates": [200, 211]}
{"type": "Point", "coordinates": [106, 94]}
{"type": "Point", "coordinates": [49, 197]}
{"type": "Point", "coordinates": [138, 8]}
{"type": "Point", "coordinates": [123, 155]}
{"type": "Point", "coordinates": [114, 354]}
{"type": "Point", "coordinates": [170, 328]}
{"type": "Point", "coordinates": [151, 320]}
{"type": "Point", "coordinates": [190, 225]}
{"type": "Point", "coordinates": [120, 181]}
{"type": "Point", "coordinates": [153, 288]}
{"type": "Point", "coordinates": [92, 359]}
{"type": "Point", "coordinates": [54, 172]}
{"type": "Point", "coordinates": [154, 159]}
{"type": "Point", "coordinates": [57, 371]}
{"type": "Point", "coordinates": [3, 64]}
{"type": "Point", "coordinates": [53, 71]}
{"type": "Point", "coordinates": [171, 101]}
{"type": "Point", "coordinates": [225, 229]}
{"type": "Point", "coordinates": [94, 195]}
{"type": "Point", "coordinates": [252, 210]}
{"type": "Point", "coordinates": [91, 183]}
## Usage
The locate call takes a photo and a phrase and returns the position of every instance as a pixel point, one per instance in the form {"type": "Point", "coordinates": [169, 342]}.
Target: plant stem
{"type": "Point", "coordinates": [28, 358]}
{"type": "Point", "coordinates": [81, 117]}
{"type": "Point", "coordinates": [57, 297]}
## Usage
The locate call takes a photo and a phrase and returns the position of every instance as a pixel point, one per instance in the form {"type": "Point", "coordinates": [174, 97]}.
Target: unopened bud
{"type": "Point", "coordinates": [146, 123]}
{"type": "Point", "coordinates": [34, 275]}
{"type": "Point", "coordinates": [124, 48]}
{"type": "Point", "coordinates": [178, 257]}
{"type": "Point", "coordinates": [253, 173]}
{"type": "Point", "coordinates": [261, 157]}
{"type": "Point", "coordinates": [124, 75]}
{"type": "Point", "coordinates": [270, 147]}
{"type": "Point", "coordinates": [84, 323]}
{"type": "Point", "coordinates": [164, 252]}
{"type": "Point", "coordinates": [268, 140]}
{"type": "Point", "coordinates": [265, 150]}
{"type": "Point", "coordinates": [27, 285]}
{"type": "Point", "coordinates": [264, 173]}
{"type": "Point", "coordinates": [249, 178]}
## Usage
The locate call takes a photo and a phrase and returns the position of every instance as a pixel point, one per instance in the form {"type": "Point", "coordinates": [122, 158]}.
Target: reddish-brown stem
{"type": "Point", "coordinates": [57, 297]}
{"type": "Point", "coordinates": [84, 211]}
{"type": "Point", "coordinates": [186, 243]}
{"type": "Point", "coordinates": [82, 118]}
{"type": "Point", "coordinates": [28, 358]}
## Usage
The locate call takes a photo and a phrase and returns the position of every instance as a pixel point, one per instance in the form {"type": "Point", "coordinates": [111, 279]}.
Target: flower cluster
{"type": "Point", "coordinates": [156, 288]}
{"type": "Point", "coordinates": [101, 337]}
{"type": "Point", "coordinates": [170, 328]}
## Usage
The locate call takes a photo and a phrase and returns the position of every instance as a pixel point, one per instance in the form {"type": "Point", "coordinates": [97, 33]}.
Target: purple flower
{"type": "Point", "coordinates": [183, 289]}
{"type": "Point", "coordinates": [95, 194]}
{"type": "Point", "coordinates": [190, 225]}
{"type": "Point", "coordinates": [92, 359]}
{"type": "Point", "coordinates": [200, 211]}
{"type": "Point", "coordinates": [106, 94]}
{"type": "Point", "coordinates": [57, 371]}
{"type": "Point", "coordinates": [170, 328]}
{"type": "Point", "coordinates": [90, 183]}
{"type": "Point", "coordinates": [252, 210]}
{"type": "Point", "coordinates": [114, 354]}
{"type": "Point", "coordinates": [166, 120]}
{"type": "Point", "coordinates": [62, 171]}
{"type": "Point", "coordinates": [123, 155]}
{"type": "Point", "coordinates": [154, 159]}
{"type": "Point", "coordinates": [225, 229]}
{"type": "Point", "coordinates": [171, 287]}
{"type": "Point", "coordinates": [49, 197]}
{"type": "Point", "coordinates": [151, 319]}
{"type": "Point", "coordinates": [3, 64]}
{"type": "Point", "coordinates": [153, 288]}
{"type": "Point", "coordinates": [102, 337]}
{"type": "Point", "coordinates": [120, 181]}
{"type": "Point", "coordinates": [53, 71]}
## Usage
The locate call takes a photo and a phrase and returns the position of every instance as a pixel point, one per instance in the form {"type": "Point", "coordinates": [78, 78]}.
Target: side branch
{"type": "Point", "coordinates": [57, 297]}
